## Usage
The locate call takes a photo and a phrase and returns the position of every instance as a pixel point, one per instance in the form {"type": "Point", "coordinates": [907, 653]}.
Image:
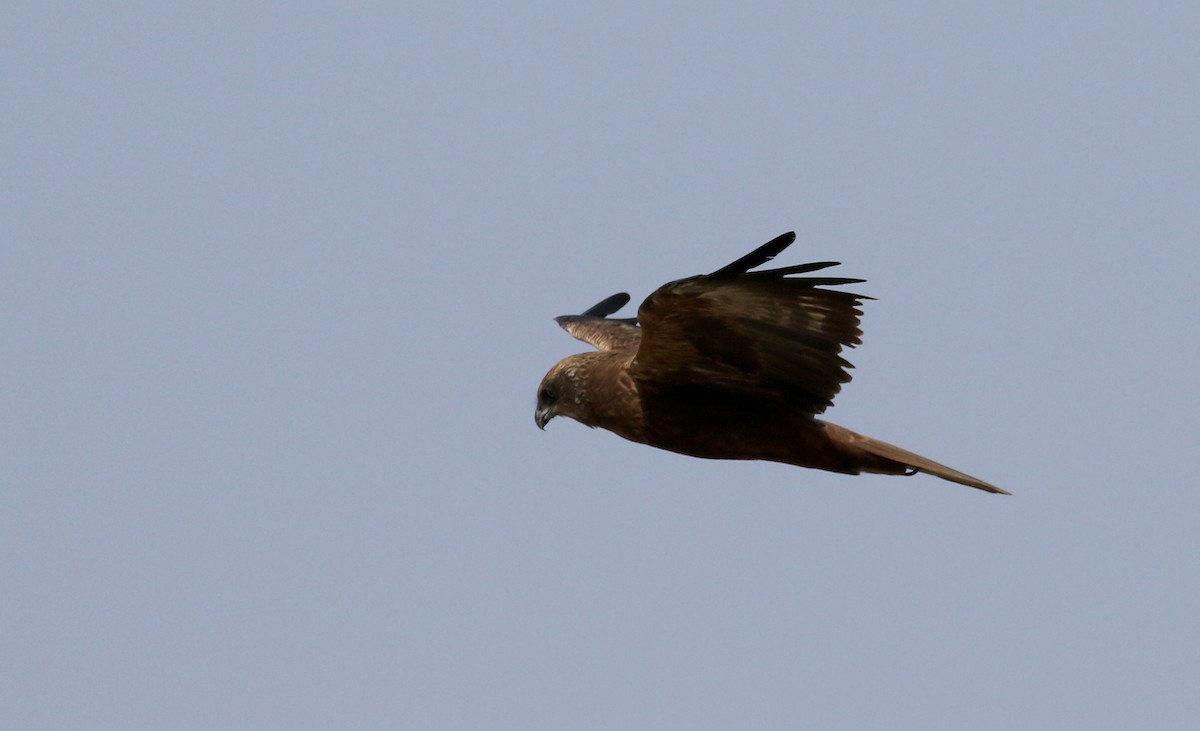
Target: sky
{"type": "Point", "coordinates": [276, 291]}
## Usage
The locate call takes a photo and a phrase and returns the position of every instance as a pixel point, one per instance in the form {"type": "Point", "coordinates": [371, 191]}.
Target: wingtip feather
{"type": "Point", "coordinates": [759, 256]}
{"type": "Point", "coordinates": [608, 305]}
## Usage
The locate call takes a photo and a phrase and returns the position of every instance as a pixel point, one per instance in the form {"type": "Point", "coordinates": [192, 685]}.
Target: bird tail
{"type": "Point", "coordinates": [889, 459]}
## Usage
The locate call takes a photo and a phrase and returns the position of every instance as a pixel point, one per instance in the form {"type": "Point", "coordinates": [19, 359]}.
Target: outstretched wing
{"type": "Point", "coordinates": [763, 334]}
{"type": "Point", "coordinates": [595, 326]}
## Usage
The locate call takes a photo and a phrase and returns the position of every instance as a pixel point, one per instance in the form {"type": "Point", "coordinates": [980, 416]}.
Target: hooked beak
{"type": "Point", "coordinates": [542, 416]}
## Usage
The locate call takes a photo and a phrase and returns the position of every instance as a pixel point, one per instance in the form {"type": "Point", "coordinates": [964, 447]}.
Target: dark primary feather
{"type": "Point", "coordinates": [795, 269]}
{"type": "Point", "coordinates": [608, 305]}
{"type": "Point", "coordinates": [761, 255]}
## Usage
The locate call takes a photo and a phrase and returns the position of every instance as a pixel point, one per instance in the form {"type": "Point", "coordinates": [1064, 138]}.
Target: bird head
{"type": "Point", "coordinates": [561, 393]}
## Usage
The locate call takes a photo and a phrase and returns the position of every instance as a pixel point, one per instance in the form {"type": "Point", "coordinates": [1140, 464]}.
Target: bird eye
{"type": "Point", "coordinates": [546, 395]}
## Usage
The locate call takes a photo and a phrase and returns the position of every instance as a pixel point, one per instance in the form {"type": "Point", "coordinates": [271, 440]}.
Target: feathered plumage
{"type": "Point", "coordinates": [735, 364]}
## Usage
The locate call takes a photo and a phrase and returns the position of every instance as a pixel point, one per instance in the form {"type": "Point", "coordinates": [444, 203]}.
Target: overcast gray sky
{"type": "Point", "coordinates": [276, 290]}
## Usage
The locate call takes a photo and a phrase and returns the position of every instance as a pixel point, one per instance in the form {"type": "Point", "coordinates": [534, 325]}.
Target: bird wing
{"type": "Point", "coordinates": [764, 334]}
{"type": "Point", "coordinates": [595, 326]}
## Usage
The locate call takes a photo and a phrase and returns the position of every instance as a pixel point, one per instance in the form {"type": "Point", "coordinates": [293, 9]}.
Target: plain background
{"type": "Point", "coordinates": [276, 291]}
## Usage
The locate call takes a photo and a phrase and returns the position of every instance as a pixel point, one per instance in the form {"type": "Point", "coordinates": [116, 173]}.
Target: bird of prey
{"type": "Point", "coordinates": [736, 364]}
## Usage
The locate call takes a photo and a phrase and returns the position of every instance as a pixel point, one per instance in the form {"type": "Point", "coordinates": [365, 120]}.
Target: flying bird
{"type": "Point", "coordinates": [736, 364]}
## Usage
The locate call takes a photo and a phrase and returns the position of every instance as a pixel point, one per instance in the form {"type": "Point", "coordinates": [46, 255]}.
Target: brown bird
{"type": "Point", "coordinates": [729, 365]}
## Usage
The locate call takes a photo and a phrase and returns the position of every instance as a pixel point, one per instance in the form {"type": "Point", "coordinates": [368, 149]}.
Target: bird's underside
{"type": "Point", "coordinates": [736, 364]}
{"type": "Point", "coordinates": [717, 428]}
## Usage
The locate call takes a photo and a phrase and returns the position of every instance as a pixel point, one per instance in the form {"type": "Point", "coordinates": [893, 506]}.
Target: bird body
{"type": "Point", "coordinates": [735, 364]}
